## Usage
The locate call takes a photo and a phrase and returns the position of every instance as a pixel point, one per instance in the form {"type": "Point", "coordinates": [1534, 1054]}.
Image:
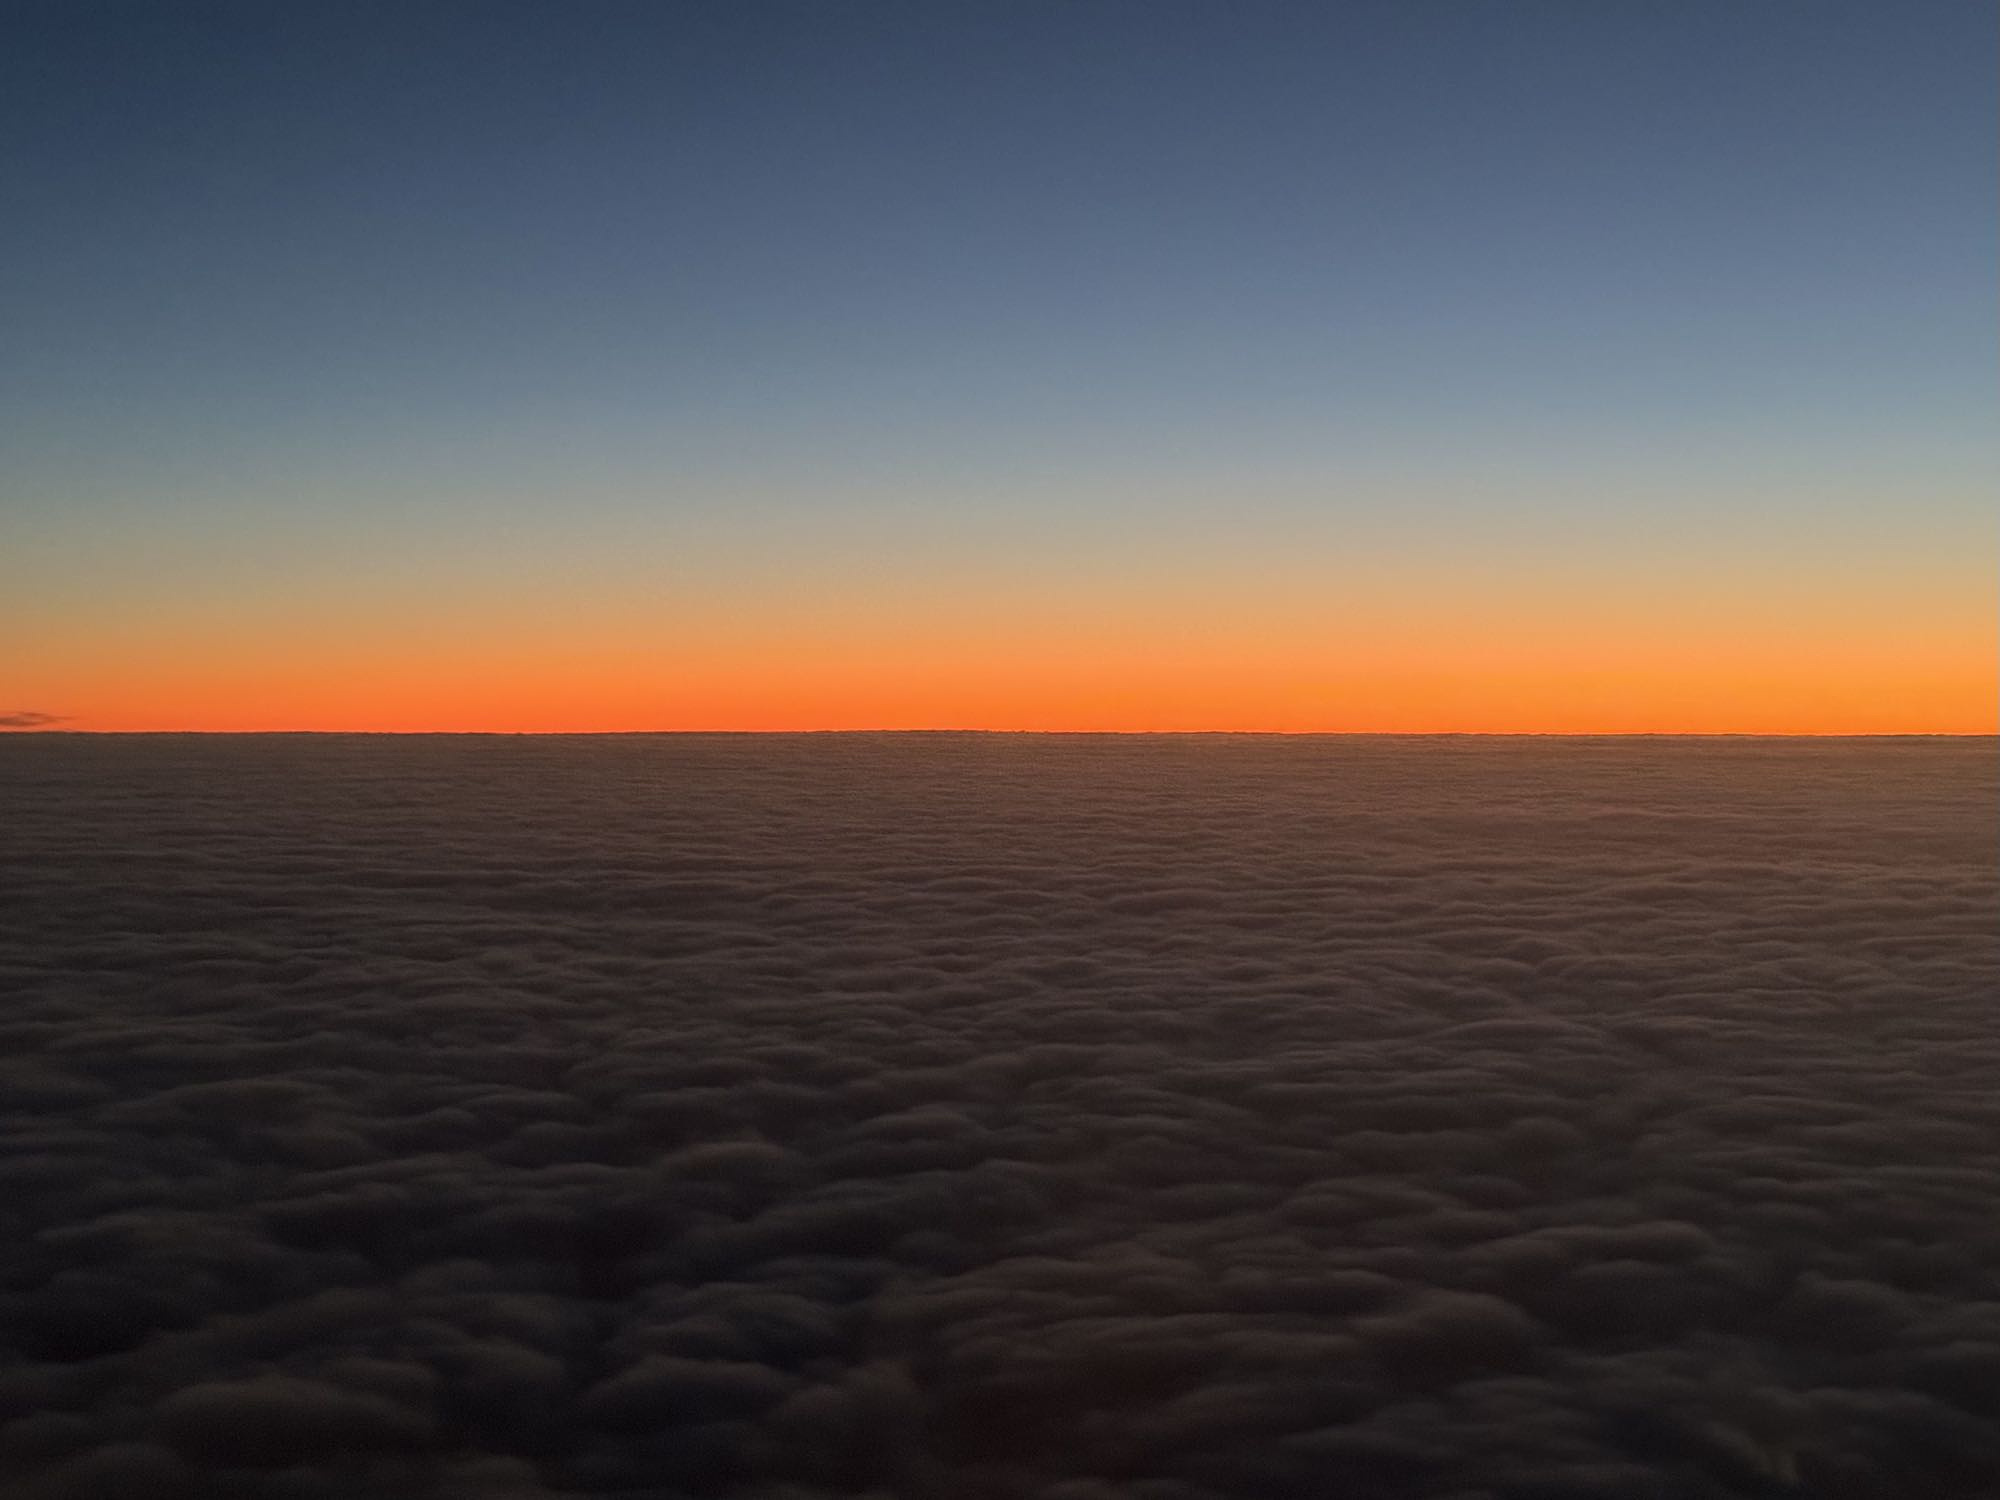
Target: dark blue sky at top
{"type": "Point", "coordinates": [343, 239]}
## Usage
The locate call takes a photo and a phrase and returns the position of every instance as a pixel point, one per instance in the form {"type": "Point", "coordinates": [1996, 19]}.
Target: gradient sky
{"type": "Point", "coordinates": [1400, 366]}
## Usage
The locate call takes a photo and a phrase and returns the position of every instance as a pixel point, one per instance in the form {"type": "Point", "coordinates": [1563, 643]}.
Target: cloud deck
{"type": "Point", "coordinates": [969, 1116]}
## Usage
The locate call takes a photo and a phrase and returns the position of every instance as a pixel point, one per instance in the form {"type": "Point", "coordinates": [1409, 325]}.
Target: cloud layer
{"type": "Point", "coordinates": [969, 1116]}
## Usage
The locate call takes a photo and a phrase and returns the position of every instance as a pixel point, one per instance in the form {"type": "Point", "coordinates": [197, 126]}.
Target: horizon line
{"type": "Point", "coordinates": [1402, 734]}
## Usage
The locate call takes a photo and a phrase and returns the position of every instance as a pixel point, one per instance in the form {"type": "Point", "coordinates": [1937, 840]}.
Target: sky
{"type": "Point", "coordinates": [1539, 367]}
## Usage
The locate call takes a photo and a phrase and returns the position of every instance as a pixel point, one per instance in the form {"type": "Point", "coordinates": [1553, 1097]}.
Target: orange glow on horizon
{"type": "Point", "coordinates": [1659, 652]}
{"type": "Point", "coordinates": [1205, 629]}
{"type": "Point", "coordinates": [1512, 683]}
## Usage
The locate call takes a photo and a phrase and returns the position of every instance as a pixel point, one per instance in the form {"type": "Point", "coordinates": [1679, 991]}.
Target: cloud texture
{"type": "Point", "coordinates": [965, 1116]}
